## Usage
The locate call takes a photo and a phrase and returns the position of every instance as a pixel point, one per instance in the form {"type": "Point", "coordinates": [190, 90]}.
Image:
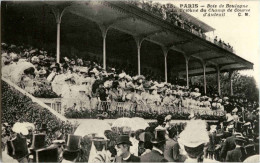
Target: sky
{"type": "Point", "coordinates": [242, 32]}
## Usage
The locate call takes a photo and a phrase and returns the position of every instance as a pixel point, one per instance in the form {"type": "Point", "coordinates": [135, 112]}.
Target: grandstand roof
{"type": "Point", "coordinates": [129, 20]}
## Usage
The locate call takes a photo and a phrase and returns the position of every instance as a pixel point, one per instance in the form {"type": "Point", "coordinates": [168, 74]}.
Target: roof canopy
{"type": "Point", "coordinates": [131, 20]}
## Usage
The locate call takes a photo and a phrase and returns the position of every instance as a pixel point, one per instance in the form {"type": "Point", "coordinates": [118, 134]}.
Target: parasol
{"type": "Point", "coordinates": [18, 71]}
{"type": "Point", "coordinates": [95, 127]}
{"type": "Point", "coordinates": [122, 122]}
{"type": "Point", "coordinates": [138, 123]}
{"type": "Point", "coordinates": [134, 124]}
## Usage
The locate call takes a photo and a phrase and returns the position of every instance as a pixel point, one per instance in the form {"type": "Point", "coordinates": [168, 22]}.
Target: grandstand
{"type": "Point", "coordinates": [148, 40]}
{"type": "Point", "coordinates": [169, 49]}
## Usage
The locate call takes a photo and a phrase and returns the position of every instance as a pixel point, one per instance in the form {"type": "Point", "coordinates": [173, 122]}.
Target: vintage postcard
{"type": "Point", "coordinates": [130, 81]}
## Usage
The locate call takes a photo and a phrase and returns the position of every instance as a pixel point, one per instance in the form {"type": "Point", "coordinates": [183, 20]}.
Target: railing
{"type": "Point", "coordinates": [54, 103]}
{"type": "Point", "coordinates": [126, 109]}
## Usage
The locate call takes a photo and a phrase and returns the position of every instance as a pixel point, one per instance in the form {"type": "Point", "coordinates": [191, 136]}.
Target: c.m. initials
{"type": "Point", "coordinates": [246, 14]}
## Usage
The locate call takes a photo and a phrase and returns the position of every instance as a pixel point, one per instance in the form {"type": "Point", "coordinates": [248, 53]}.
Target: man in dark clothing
{"type": "Point", "coordinates": [236, 154]}
{"type": "Point", "coordinates": [123, 150]}
{"type": "Point", "coordinates": [228, 107]}
{"type": "Point", "coordinates": [177, 156]}
{"type": "Point", "coordinates": [156, 155]}
{"type": "Point", "coordinates": [228, 145]}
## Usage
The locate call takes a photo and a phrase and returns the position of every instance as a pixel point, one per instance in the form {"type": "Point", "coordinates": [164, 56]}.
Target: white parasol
{"type": "Point", "coordinates": [97, 127]}
{"type": "Point", "coordinates": [122, 122]}
{"type": "Point", "coordinates": [134, 124]}
{"type": "Point", "coordinates": [138, 123]}
{"type": "Point", "coordinates": [18, 71]}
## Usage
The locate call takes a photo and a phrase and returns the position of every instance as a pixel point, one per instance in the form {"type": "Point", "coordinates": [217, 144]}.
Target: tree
{"type": "Point", "coordinates": [243, 86]}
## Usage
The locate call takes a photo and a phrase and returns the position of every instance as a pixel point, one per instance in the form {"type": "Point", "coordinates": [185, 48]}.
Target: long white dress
{"type": "Point", "coordinates": [58, 83]}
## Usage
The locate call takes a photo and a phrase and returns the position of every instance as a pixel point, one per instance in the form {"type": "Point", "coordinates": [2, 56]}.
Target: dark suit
{"type": "Point", "coordinates": [132, 158]}
{"type": "Point", "coordinates": [153, 156]}
{"type": "Point", "coordinates": [228, 145]}
{"type": "Point", "coordinates": [168, 150]}
{"type": "Point", "coordinates": [177, 157]}
{"type": "Point", "coordinates": [234, 155]}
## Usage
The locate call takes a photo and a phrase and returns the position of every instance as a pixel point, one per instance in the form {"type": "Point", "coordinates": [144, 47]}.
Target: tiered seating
{"type": "Point", "coordinates": [85, 89]}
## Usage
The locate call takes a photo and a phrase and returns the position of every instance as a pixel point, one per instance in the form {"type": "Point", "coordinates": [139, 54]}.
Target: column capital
{"type": "Point", "coordinates": [104, 28]}
{"type": "Point", "coordinates": [165, 51]}
{"type": "Point", "coordinates": [139, 40]}
{"type": "Point", "coordinates": [187, 58]}
{"type": "Point", "coordinates": [230, 73]}
{"type": "Point", "coordinates": [217, 67]}
{"type": "Point", "coordinates": [204, 63]}
{"type": "Point", "coordinates": [58, 13]}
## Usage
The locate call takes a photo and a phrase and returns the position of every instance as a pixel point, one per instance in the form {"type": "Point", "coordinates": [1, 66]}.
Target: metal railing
{"type": "Point", "coordinates": [125, 109]}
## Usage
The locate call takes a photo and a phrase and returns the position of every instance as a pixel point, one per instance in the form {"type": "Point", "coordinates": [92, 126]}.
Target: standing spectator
{"type": "Point", "coordinates": [123, 150]}
{"type": "Point", "coordinates": [156, 155]}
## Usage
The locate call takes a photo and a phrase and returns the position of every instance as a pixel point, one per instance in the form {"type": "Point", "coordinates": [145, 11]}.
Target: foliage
{"type": "Point", "coordinates": [17, 107]}
{"type": "Point", "coordinates": [243, 86]}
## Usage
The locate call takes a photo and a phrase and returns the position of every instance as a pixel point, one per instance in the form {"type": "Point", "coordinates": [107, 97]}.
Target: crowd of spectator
{"type": "Point", "coordinates": [195, 141]}
{"type": "Point", "coordinates": [82, 85]}
{"type": "Point", "coordinates": [89, 82]}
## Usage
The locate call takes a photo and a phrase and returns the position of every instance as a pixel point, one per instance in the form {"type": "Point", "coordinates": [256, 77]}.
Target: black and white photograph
{"type": "Point", "coordinates": [106, 81]}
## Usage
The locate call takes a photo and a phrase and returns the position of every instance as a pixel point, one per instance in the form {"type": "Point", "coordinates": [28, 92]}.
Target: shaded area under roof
{"type": "Point", "coordinates": [80, 29]}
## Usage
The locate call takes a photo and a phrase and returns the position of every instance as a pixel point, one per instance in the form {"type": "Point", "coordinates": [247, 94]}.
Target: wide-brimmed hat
{"type": "Point", "coordinates": [234, 110]}
{"type": "Point", "coordinates": [194, 134]}
{"type": "Point", "coordinates": [128, 77]}
{"type": "Point", "coordinates": [54, 66]}
{"type": "Point", "coordinates": [73, 143]}
{"type": "Point", "coordinates": [140, 77]}
{"type": "Point", "coordinates": [161, 89]}
{"type": "Point", "coordinates": [153, 88]}
{"type": "Point", "coordinates": [103, 115]}
{"type": "Point", "coordinates": [42, 72]}
{"type": "Point", "coordinates": [122, 75]}
{"type": "Point", "coordinates": [123, 139]}
{"type": "Point", "coordinates": [240, 138]}
{"type": "Point", "coordinates": [83, 69]}
{"type": "Point", "coordinates": [35, 60]}
{"type": "Point", "coordinates": [139, 88]}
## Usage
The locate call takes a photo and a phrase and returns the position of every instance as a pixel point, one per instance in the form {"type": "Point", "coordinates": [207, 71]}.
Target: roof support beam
{"type": "Point", "coordinates": [194, 68]}
{"type": "Point", "coordinates": [149, 34]}
{"type": "Point", "coordinates": [173, 47]}
{"type": "Point", "coordinates": [184, 42]}
{"type": "Point", "coordinates": [198, 52]}
{"type": "Point", "coordinates": [218, 57]}
{"type": "Point", "coordinates": [121, 19]}
{"type": "Point", "coordinates": [226, 64]}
